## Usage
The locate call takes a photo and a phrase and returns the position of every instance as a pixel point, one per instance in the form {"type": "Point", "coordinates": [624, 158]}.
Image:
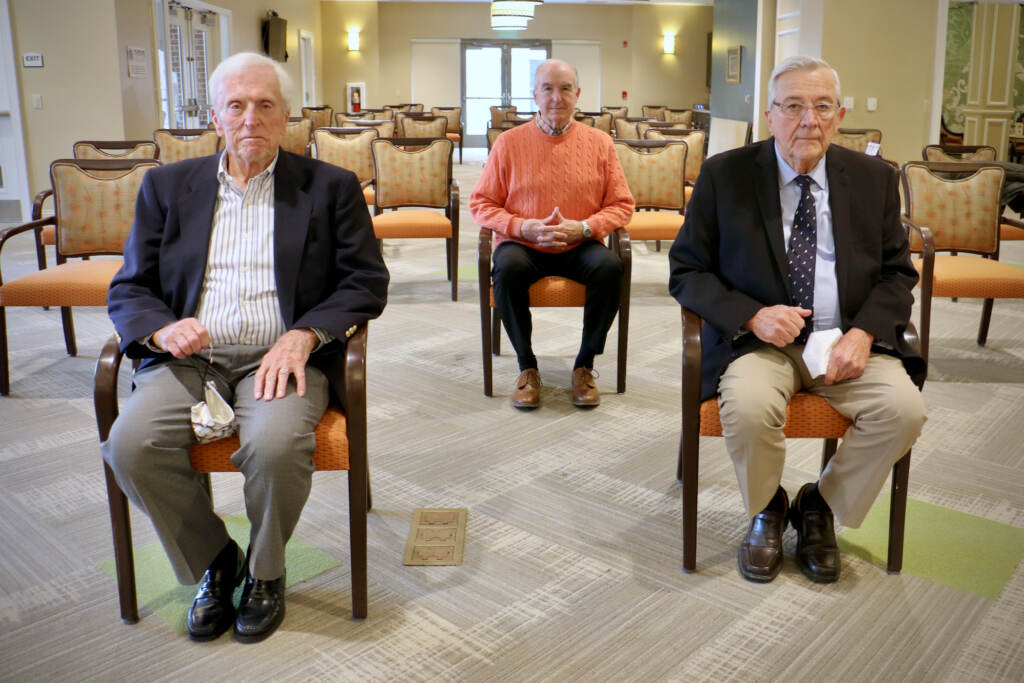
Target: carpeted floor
{"type": "Point", "coordinates": [571, 569]}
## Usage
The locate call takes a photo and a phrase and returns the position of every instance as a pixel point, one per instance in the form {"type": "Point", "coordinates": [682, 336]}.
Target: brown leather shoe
{"type": "Point", "coordinates": [584, 391]}
{"type": "Point", "coordinates": [760, 553]}
{"type": "Point", "coordinates": [527, 390]}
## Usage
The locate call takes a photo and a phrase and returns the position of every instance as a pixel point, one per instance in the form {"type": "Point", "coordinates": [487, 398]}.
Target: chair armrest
{"type": "Point", "coordinates": [354, 370]}
{"type": "Point", "coordinates": [691, 375]}
{"type": "Point", "coordinates": [37, 203]}
{"type": "Point", "coordinates": [8, 233]}
{"type": "Point", "coordinates": [1011, 221]}
{"type": "Point", "coordinates": [104, 393]}
{"type": "Point", "coordinates": [367, 183]}
{"type": "Point", "coordinates": [483, 258]}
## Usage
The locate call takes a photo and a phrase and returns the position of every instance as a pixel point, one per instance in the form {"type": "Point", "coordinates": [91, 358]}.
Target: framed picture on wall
{"type": "Point", "coordinates": [732, 64]}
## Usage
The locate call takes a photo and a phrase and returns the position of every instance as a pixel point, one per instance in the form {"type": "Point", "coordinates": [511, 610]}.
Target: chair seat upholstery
{"type": "Point", "coordinates": [554, 291]}
{"type": "Point", "coordinates": [975, 277]}
{"type": "Point", "coordinates": [411, 223]}
{"type": "Point", "coordinates": [49, 235]}
{"type": "Point", "coordinates": [807, 416]}
{"type": "Point", "coordinates": [75, 283]}
{"type": "Point", "coordinates": [454, 137]}
{"type": "Point", "coordinates": [1010, 232]}
{"type": "Point", "coordinates": [368, 195]}
{"type": "Point", "coordinates": [331, 447]}
{"type": "Point", "coordinates": [654, 225]}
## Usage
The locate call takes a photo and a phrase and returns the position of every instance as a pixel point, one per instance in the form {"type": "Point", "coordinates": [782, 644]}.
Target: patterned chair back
{"type": "Point", "coordinates": [348, 151]}
{"type": "Point", "coordinates": [385, 128]}
{"type": "Point", "coordinates": [683, 118]}
{"type": "Point", "coordinates": [959, 153]}
{"type": "Point", "coordinates": [655, 174]}
{"type": "Point", "coordinates": [454, 116]}
{"type": "Point", "coordinates": [616, 112]}
{"type": "Point", "coordinates": [498, 114]}
{"type": "Point", "coordinates": [957, 201]}
{"type": "Point", "coordinates": [653, 111]}
{"type": "Point", "coordinates": [176, 144]}
{"type": "Point", "coordinates": [694, 140]}
{"type": "Point", "coordinates": [296, 136]}
{"type": "Point", "coordinates": [857, 139]}
{"type": "Point", "coordinates": [420, 177]}
{"type": "Point", "coordinates": [426, 127]}
{"type": "Point", "coordinates": [95, 203]}
{"type": "Point", "coordinates": [625, 129]}
{"type": "Point", "coordinates": [320, 116]}
{"type": "Point", "coordinates": [115, 149]}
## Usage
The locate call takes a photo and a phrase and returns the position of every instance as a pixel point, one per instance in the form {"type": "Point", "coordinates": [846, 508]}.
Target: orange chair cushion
{"type": "Point", "coordinates": [807, 417]}
{"type": "Point", "coordinates": [414, 223]}
{"type": "Point", "coordinates": [454, 137]}
{"type": "Point", "coordinates": [1010, 232]}
{"type": "Point", "coordinates": [654, 225]}
{"type": "Point", "coordinates": [368, 195]}
{"type": "Point", "coordinates": [555, 292]}
{"type": "Point", "coordinates": [49, 235]}
{"type": "Point", "coordinates": [75, 283]}
{"type": "Point", "coordinates": [331, 447]}
{"type": "Point", "coordinates": [973, 276]}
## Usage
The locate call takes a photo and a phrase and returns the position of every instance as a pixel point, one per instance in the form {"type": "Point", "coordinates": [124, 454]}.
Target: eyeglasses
{"type": "Point", "coordinates": [795, 110]}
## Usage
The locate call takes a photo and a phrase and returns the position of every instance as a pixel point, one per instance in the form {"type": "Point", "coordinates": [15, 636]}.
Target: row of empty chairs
{"type": "Point", "coordinates": [324, 116]}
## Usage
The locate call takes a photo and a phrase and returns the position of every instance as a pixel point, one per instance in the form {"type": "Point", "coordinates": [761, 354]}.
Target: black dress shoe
{"type": "Point", "coordinates": [212, 611]}
{"type": "Point", "coordinates": [817, 553]}
{"type": "Point", "coordinates": [760, 553]}
{"type": "Point", "coordinates": [261, 609]}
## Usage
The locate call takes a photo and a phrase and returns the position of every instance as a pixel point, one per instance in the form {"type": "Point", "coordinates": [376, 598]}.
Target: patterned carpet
{"type": "Point", "coordinates": [573, 549]}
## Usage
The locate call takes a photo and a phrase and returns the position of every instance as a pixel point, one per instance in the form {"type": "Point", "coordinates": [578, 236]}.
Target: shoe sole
{"type": "Point", "coordinates": [586, 404]}
{"type": "Point", "coordinates": [525, 406]}
{"type": "Point", "coordinates": [213, 636]}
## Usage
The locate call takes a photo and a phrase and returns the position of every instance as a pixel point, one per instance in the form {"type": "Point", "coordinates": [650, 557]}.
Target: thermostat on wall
{"type": "Point", "coordinates": [32, 60]}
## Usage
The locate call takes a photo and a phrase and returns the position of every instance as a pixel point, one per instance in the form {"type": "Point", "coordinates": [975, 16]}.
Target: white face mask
{"type": "Point", "coordinates": [212, 418]}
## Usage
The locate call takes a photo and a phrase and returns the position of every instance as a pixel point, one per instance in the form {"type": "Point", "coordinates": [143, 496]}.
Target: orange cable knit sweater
{"type": "Point", "coordinates": [528, 173]}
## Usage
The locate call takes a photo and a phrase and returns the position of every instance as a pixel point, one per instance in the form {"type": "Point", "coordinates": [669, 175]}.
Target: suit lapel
{"type": "Point", "coordinates": [767, 187]}
{"type": "Point", "coordinates": [195, 208]}
{"type": "Point", "coordinates": [292, 211]}
{"type": "Point", "coordinates": [839, 202]}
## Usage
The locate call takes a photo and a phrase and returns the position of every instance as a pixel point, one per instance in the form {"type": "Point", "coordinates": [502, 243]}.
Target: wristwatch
{"type": "Point", "coordinates": [587, 232]}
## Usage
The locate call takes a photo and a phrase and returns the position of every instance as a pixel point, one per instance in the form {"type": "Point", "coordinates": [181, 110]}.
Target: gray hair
{"type": "Point", "coordinates": [243, 61]}
{"type": "Point", "coordinates": [551, 62]}
{"type": "Point", "coordinates": [800, 63]}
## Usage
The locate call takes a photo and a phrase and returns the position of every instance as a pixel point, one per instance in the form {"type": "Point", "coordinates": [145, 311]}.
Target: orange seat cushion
{"type": "Point", "coordinates": [1010, 232]}
{"type": "Point", "coordinates": [415, 223]}
{"type": "Point", "coordinates": [972, 276]}
{"type": "Point", "coordinates": [49, 235]}
{"type": "Point", "coordinates": [555, 292]}
{"type": "Point", "coordinates": [807, 417]}
{"type": "Point", "coordinates": [331, 447]}
{"type": "Point", "coordinates": [654, 225]}
{"type": "Point", "coordinates": [454, 137]}
{"type": "Point", "coordinates": [75, 283]}
{"type": "Point", "coordinates": [368, 195]}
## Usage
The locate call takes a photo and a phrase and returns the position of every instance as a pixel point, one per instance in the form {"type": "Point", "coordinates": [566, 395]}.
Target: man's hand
{"type": "Point", "coordinates": [778, 325]}
{"type": "Point", "coordinates": [553, 232]}
{"type": "Point", "coordinates": [849, 356]}
{"type": "Point", "coordinates": [182, 338]}
{"type": "Point", "coordinates": [286, 357]}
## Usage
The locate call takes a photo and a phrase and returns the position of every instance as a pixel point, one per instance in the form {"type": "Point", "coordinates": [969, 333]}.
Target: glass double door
{"type": "Point", "coordinates": [497, 72]}
{"type": "Point", "coordinates": [189, 52]}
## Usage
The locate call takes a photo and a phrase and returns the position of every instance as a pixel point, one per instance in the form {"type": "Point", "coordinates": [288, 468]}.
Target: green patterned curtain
{"type": "Point", "coordinates": [958, 56]}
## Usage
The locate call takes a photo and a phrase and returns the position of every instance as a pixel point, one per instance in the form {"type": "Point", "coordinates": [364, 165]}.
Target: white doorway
{"type": "Point", "coordinates": [307, 58]}
{"type": "Point", "coordinates": [14, 191]}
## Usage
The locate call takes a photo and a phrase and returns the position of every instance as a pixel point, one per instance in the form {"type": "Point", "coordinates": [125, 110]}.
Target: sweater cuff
{"type": "Point", "coordinates": [515, 226]}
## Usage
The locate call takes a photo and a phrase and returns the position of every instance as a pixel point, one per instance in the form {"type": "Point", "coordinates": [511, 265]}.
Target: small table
{"type": "Point", "coordinates": [1016, 142]}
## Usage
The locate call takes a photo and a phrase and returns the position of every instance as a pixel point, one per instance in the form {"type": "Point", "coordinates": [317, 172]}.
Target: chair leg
{"type": "Point", "coordinates": [898, 513]}
{"type": "Point", "coordinates": [485, 336]}
{"type": "Point", "coordinates": [40, 249]}
{"type": "Point", "coordinates": [69, 330]}
{"type": "Point", "coordinates": [687, 470]}
{"type": "Point", "coordinates": [120, 524]}
{"type": "Point", "coordinates": [657, 245]}
{"type": "Point", "coordinates": [620, 380]}
{"type": "Point", "coordinates": [986, 318]}
{"type": "Point", "coordinates": [448, 256]}
{"type": "Point", "coordinates": [358, 487]}
{"type": "Point", "coordinates": [5, 377]}
{"type": "Point", "coordinates": [495, 332]}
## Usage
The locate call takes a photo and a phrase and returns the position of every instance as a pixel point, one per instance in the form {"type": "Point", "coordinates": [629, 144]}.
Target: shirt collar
{"type": "Point", "coordinates": [548, 129]}
{"type": "Point", "coordinates": [788, 175]}
{"type": "Point", "coordinates": [224, 177]}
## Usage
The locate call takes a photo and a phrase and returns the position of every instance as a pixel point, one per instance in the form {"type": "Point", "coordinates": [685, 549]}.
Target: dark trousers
{"type": "Point", "coordinates": [516, 267]}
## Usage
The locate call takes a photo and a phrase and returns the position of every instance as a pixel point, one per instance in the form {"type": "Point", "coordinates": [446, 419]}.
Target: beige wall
{"type": "Point", "coordinates": [885, 50]}
{"type": "Point", "coordinates": [639, 68]}
{"type": "Point", "coordinates": [140, 103]}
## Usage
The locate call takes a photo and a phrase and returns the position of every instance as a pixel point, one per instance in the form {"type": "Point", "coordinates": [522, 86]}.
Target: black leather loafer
{"type": "Point", "coordinates": [212, 611]}
{"type": "Point", "coordinates": [817, 553]}
{"type": "Point", "coordinates": [261, 609]}
{"type": "Point", "coordinates": [760, 553]}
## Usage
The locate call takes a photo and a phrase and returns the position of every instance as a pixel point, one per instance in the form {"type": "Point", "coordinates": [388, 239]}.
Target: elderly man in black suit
{"type": "Point", "coordinates": [249, 268]}
{"type": "Point", "coordinates": [783, 238]}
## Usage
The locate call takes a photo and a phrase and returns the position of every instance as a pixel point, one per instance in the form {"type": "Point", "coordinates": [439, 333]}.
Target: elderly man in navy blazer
{"type": "Point", "coordinates": [249, 268]}
{"type": "Point", "coordinates": [785, 237]}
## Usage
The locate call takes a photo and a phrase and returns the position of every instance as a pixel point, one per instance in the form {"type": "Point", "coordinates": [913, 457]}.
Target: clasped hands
{"type": "Point", "coordinates": [779, 325]}
{"type": "Point", "coordinates": [553, 232]}
{"type": "Point", "coordinates": [286, 357]}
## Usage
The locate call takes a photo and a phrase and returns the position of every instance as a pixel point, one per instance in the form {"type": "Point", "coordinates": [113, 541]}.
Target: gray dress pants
{"type": "Point", "coordinates": [148, 451]}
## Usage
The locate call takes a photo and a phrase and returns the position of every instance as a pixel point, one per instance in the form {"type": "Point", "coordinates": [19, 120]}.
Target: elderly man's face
{"type": "Point", "coordinates": [251, 116]}
{"type": "Point", "coordinates": [803, 140]}
{"type": "Point", "coordinates": [556, 94]}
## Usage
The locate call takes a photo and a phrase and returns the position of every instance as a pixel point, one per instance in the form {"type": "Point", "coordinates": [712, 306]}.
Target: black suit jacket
{"type": "Point", "coordinates": [729, 260]}
{"type": "Point", "coordinates": [328, 269]}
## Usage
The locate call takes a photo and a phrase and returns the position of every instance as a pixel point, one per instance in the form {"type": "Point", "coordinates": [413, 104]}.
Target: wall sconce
{"type": "Point", "coordinates": [670, 43]}
{"type": "Point", "coordinates": [353, 40]}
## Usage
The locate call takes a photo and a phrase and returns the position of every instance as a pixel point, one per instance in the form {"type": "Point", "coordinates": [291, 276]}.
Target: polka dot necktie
{"type": "Point", "coordinates": [803, 247]}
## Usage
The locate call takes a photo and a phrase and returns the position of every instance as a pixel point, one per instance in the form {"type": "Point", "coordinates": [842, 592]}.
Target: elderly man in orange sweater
{"type": "Point", "coordinates": [551, 190]}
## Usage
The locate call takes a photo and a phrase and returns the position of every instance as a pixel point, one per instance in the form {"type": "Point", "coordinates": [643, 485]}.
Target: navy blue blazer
{"type": "Point", "coordinates": [328, 268]}
{"type": "Point", "coordinates": [729, 259]}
